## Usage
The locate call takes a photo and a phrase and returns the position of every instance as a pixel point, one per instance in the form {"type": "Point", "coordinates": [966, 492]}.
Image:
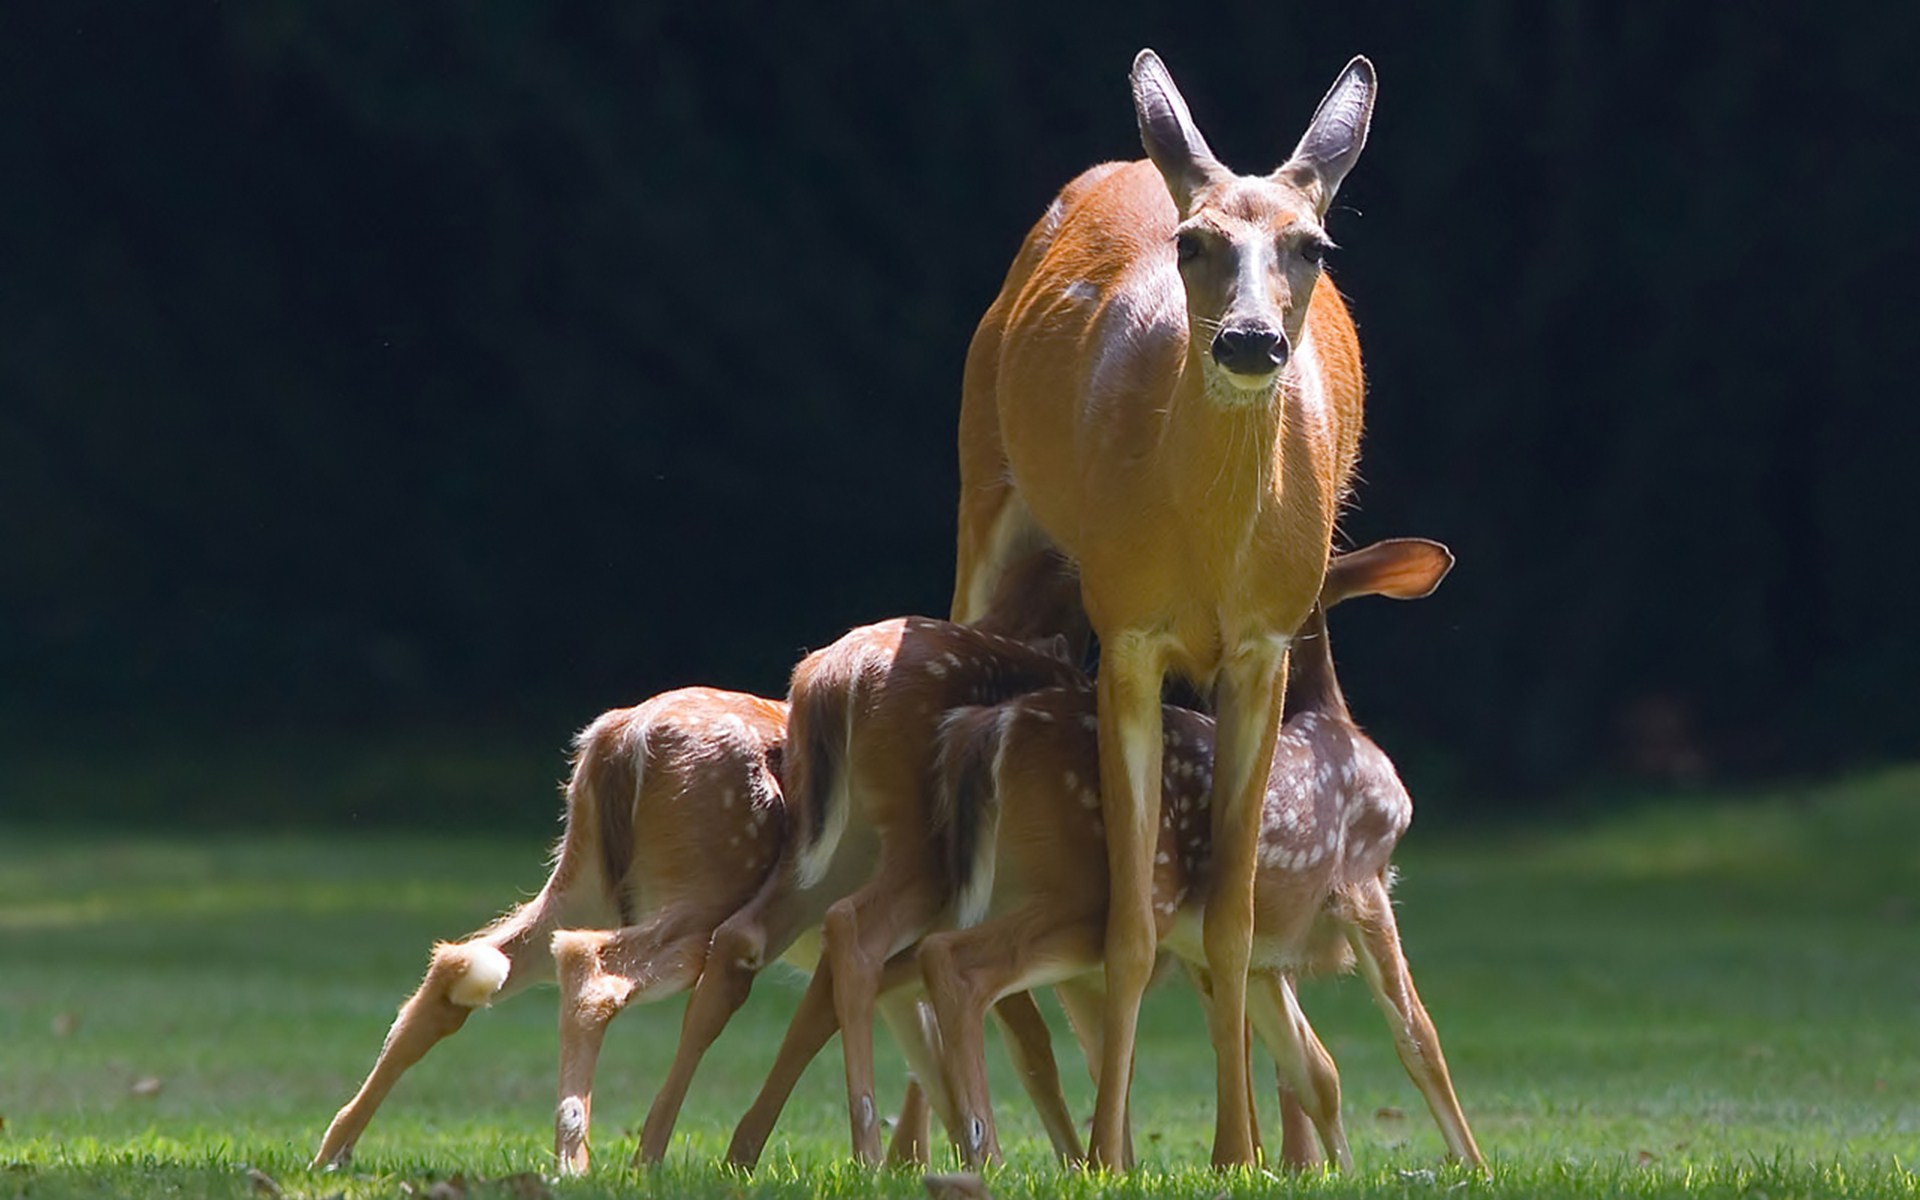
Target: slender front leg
{"type": "Point", "coordinates": [910, 1020]}
{"type": "Point", "coordinates": [1030, 1045]}
{"type": "Point", "coordinates": [1309, 1082]}
{"type": "Point", "coordinates": [739, 950]}
{"type": "Point", "coordinates": [1376, 941]}
{"type": "Point", "coordinates": [1084, 997]}
{"type": "Point", "coordinates": [1203, 989]}
{"type": "Point", "coordinates": [1131, 669]}
{"type": "Point", "coordinates": [812, 1025]}
{"type": "Point", "coordinates": [1247, 723]}
{"type": "Point", "coordinates": [912, 1142]}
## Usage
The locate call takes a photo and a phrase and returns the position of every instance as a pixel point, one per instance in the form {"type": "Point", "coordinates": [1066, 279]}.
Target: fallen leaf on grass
{"type": "Point", "coordinates": [960, 1185]}
{"type": "Point", "coordinates": [1389, 1113]}
{"type": "Point", "coordinates": [65, 1024]}
{"type": "Point", "coordinates": [263, 1184]}
{"type": "Point", "coordinates": [1645, 1158]}
{"type": "Point", "coordinates": [146, 1086]}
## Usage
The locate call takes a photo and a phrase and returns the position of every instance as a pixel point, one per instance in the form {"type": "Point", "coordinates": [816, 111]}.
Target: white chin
{"type": "Point", "coordinates": [1237, 391]}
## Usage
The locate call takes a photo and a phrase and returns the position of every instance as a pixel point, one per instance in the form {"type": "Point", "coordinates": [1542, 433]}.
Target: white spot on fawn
{"type": "Point", "coordinates": [936, 670]}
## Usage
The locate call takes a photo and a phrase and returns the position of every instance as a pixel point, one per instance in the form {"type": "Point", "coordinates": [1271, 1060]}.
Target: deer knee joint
{"type": "Point", "coordinates": [738, 949]}
{"type": "Point", "coordinates": [585, 984]}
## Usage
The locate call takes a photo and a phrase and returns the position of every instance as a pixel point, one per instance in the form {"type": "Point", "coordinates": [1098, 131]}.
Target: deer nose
{"type": "Point", "coordinates": [1249, 349]}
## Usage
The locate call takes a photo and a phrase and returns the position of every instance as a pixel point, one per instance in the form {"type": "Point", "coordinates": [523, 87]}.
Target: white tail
{"type": "Point", "coordinates": [1168, 390]}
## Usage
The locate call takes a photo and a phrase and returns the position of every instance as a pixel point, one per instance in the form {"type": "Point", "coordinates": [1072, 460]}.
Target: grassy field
{"type": "Point", "coordinates": [1711, 997]}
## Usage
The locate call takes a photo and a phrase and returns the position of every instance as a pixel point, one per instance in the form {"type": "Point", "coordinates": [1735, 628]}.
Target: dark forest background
{"type": "Point", "coordinates": [446, 369]}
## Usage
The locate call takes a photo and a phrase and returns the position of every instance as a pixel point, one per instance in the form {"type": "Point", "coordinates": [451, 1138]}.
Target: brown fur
{"type": "Point", "coordinates": [1334, 809]}
{"type": "Point", "coordinates": [1198, 509]}
{"type": "Point", "coordinates": [674, 817]}
{"type": "Point", "coordinates": [872, 870]}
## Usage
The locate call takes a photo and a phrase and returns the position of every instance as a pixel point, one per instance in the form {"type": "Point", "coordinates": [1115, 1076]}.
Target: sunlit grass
{"type": "Point", "coordinates": [1712, 997]}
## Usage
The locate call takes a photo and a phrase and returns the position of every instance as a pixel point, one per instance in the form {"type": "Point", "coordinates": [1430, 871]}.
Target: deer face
{"type": "Point", "coordinates": [1249, 253]}
{"type": "Point", "coordinates": [1249, 248]}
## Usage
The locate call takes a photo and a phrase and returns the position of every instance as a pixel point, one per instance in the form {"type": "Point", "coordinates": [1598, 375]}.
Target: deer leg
{"type": "Point", "coordinates": [462, 976]}
{"type": "Point", "coordinates": [600, 974]}
{"type": "Point", "coordinates": [1129, 715]}
{"type": "Point", "coordinates": [1376, 942]}
{"type": "Point", "coordinates": [1085, 1000]}
{"type": "Point", "coordinates": [912, 1142]}
{"type": "Point", "coordinates": [813, 1024]}
{"type": "Point", "coordinates": [1203, 990]}
{"type": "Point", "coordinates": [1299, 1149]}
{"type": "Point", "coordinates": [741, 946]}
{"type": "Point", "coordinates": [1247, 725]}
{"type": "Point", "coordinates": [1030, 1045]}
{"type": "Point", "coordinates": [858, 936]}
{"type": "Point", "coordinates": [1308, 1078]}
{"type": "Point", "coordinates": [966, 971]}
{"type": "Point", "coordinates": [910, 1019]}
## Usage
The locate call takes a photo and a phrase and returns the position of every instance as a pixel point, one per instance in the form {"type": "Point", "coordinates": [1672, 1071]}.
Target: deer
{"type": "Point", "coordinates": [1168, 391]}
{"type": "Point", "coordinates": [674, 816]}
{"type": "Point", "coordinates": [1018, 780]}
{"type": "Point", "coordinates": [862, 865]}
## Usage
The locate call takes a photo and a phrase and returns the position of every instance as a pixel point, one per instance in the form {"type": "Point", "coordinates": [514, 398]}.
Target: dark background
{"type": "Point", "coordinates": [435, 369]}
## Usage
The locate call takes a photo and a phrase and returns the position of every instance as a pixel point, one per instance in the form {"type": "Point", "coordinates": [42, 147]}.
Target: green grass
{"type": "Point", "coordinates": [1715, 997]}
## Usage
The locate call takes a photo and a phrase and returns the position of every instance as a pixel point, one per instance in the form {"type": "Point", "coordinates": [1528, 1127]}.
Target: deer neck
{"type": "Point", "coordinates": [1225, 462]}
{"type": "Point", "coordinates": [1311, 684]}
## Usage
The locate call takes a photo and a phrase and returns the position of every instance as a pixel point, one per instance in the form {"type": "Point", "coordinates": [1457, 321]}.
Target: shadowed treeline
{"type": "Point", "coordinates": [429, 366]}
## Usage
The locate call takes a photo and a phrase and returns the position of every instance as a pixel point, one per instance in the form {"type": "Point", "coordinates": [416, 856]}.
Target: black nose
{"type": "Point", "coordinates": [1249, 349]}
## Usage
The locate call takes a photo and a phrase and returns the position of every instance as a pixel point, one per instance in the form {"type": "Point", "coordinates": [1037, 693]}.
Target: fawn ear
{"type": "Point", "coordinates": [1335, 136]}
{"type": "Point", "coordinates": [1400, 568]}
{"type": "Point", "coordinates": [1167, 131]}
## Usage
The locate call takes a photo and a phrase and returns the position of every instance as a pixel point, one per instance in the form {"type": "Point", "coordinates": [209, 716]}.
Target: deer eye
{"type": "Point", "coordinates": [1186, 246]}
{"type": "Point", "coordinates": [1313, 250]}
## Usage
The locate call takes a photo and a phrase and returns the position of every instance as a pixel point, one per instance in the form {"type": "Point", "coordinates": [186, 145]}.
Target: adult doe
{"type": "Point", "coordinates": [1168, 390]}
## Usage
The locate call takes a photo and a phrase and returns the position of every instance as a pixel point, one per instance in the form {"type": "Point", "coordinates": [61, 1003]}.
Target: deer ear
{"type": "Point", "coordinates": [1335, 136]}
{"type": "Point", "coordinates": [1167, 131]}
{"type": "Point", "coordinates": [1400, 568]}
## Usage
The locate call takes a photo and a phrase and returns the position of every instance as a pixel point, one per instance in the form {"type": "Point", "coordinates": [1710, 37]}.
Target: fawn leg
{"type": "Point", "coordinates": [1309, 1082]}
{"type": "Point", "coordinates": [1376, 941]}
{"type": "Point", "coordinates": [600, 974]}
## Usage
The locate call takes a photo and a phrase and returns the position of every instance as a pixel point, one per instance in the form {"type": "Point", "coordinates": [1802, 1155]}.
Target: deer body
{"type": "Point", "coordinates": [674, 817]}
{"type": "Point", "coordinates": [1168, 391]}
{"type": "Point", "coordinates": [863, 866]}
{"type": "Point", "coordinates": [1333, 808]}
